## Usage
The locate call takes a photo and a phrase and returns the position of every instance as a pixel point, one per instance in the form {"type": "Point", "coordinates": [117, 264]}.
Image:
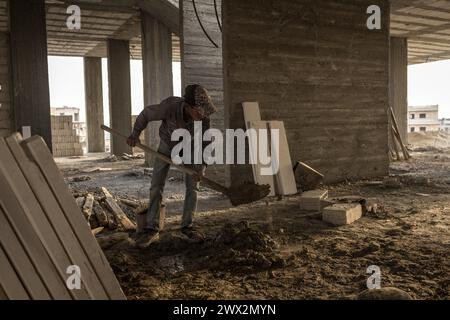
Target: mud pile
{"type": "Point", "coordinates": [239, 247]}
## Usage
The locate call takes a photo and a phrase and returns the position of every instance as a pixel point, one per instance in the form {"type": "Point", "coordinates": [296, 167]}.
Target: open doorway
{"type": "Point", "coordinates": [68, 107]}
{"type": "Point", "coordinates": [429, 105]}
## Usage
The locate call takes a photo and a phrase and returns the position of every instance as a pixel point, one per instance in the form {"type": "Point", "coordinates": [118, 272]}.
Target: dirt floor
{"type": "Point", "coordinates": [273, 250]}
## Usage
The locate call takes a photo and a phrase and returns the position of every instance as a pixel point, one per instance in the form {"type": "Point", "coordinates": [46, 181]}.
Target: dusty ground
{"type": "Point", "coordinates": [272, 250]}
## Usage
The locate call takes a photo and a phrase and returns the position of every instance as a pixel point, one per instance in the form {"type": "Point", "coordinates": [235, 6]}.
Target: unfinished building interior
{"type": "Point", "coordinates": [336, 87]}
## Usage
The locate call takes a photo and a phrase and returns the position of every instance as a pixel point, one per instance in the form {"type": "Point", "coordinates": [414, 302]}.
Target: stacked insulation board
{"type": "Point", "coordinates": [65, 141]}
{"type": "Point", "coordinates": [282, 180]}
{"type": "Point", "coordinates": [45, 243]}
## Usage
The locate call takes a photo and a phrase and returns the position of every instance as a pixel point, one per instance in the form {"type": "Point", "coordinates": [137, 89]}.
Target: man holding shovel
{"type": "Point", "coordinates": [175, 113]}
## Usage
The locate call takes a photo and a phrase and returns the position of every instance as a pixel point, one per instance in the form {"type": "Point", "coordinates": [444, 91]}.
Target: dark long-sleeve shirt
{"type": "Point", "coordinates": [171, 112]}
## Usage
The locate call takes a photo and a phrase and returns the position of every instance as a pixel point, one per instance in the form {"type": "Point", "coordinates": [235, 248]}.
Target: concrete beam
{"type": "Point", "coordinates": [30, 67]}
{"type": "Point", "coordinates": [119, 92]}
{"type": "Point", "coordinates": [162, 10]}
{"type": "Point", "coordinates": [398, 95]}
{"type": "Point", "coordinates": [157, 70]}
{"type": "Point", "coordinates": [93, 87]}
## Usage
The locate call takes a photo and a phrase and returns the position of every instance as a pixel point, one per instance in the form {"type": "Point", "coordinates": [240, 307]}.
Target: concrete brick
{"type": "Point", "coordinates": [312, 200]}
{"type": "Point", "coordinates": [342, 214]}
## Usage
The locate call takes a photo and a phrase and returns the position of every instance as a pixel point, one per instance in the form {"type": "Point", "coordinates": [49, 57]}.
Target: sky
{"type": "Point", "coordinates": [427, 84]}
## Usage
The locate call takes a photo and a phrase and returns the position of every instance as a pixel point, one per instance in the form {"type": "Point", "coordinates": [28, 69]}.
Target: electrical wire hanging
{"type": "Point", "coordinates": [217, 15]}
{"type": "Point", "coordinates": [201, 25]}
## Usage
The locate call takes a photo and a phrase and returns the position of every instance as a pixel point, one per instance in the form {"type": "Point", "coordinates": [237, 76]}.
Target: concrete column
{"type": "Point", "coordinates": [119, 93]}
{"type": "Point", "coordinates": [399, 83]}
{"type": "Point", "coordinates": [31, 96]}
{"type": "Point", "coordinates": [157, 71]}
{"type": "Point", "coordinates": [94, 103]}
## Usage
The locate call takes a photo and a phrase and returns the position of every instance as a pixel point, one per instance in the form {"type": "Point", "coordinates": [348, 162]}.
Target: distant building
{"type": "Point", "coordinates": [423, 119]}
{"type": "Point", "coordinates": [445, 125]}
{"type": "Point", "coordinates": [67, 111]}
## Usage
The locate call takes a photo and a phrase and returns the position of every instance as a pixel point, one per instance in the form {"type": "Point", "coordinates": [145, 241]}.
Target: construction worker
{"type": "Point", "coordinates": [175, 113]}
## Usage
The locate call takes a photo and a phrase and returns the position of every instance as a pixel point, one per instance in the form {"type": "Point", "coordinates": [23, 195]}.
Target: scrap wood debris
{"type": "Point", "coordinates": [102, 210]}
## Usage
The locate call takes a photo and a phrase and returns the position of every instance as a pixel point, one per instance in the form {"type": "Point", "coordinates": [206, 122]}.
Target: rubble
{"type": "Point", "coordinates": [392, 183]}
{"type": "Point", "coordinates": [98, 230]}
{"type": "Point", "coordinates": [112, 158]}
{"type": "Point", "coordinates": [87, 206]}
{"type": "Point", "coordinates": [80, 179]}
{"type": "Point", "coordinates": [101, 209]}
{"type": "Point", "coordinates": [127, 156]}
{"type": "Point", "coordinates": [120, 217]}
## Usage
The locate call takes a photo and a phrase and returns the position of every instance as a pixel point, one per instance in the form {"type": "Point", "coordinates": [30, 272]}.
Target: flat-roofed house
{"type": "Point", "coordinates": [423, 118]}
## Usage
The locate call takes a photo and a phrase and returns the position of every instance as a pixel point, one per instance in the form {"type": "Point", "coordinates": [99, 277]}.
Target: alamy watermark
{"type": "Point", "coordinates": [374, 280]}
{"type": "Point", "coordinates": [264, 147]}
{"type": "Point", "coordinates": [374, 20]}
{"type": "Point", "coordinates": [73, 22]}
{"type": "Point", "coordinates": [73, 282]}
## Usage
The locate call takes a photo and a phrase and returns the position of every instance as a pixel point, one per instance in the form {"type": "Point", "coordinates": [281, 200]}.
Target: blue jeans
{"type": "Point", "coordinates": [159, 176]}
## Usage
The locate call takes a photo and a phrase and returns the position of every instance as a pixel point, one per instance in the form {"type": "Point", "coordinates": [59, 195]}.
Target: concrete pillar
{"type": "Point", "coordinates": [31, 96]}
{"type": "Point", "coordinates": [157, 71]}
{"type": "Point", "coordinates": [399, 83]}
{"type": "Point", "coordinates": [119, 93]}
{"type": "Point", "coordinates": [93, 88]}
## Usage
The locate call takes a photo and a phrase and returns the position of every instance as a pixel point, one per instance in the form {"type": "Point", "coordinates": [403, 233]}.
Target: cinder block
{"type": "Point", "coordinates": [311, 200]}
{"type": "Point", "coordinates": [342, 214]}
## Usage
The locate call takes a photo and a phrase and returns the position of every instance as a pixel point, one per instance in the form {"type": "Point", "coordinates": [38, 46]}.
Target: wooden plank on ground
{"type": "Point", "coordinates": [37, 149]}
{"type": "Point", "coordinates": [32, 227]}
{"type": "Point", "coordinates": [11, 286]}
{"type": "Point", "coordinates": [122, 220]}
{"type": "Point", "coordinates": [88, 205]}
{"type": "Point", "coordinates": [91, 286]}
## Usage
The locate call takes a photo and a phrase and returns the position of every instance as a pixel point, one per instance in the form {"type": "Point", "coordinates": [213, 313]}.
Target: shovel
{"type": "Point", "coordinates": [246, 193]}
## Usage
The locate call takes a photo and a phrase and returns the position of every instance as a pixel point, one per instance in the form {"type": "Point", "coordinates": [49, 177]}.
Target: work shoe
{"type": "Point", "coordinates": [147, 238]}
{"type": "Point", "coordinates": [193, 234]}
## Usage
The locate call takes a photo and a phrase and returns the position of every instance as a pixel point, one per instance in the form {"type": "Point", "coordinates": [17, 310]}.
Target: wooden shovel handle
{"type": "Point", "coordinates": [212, 184]}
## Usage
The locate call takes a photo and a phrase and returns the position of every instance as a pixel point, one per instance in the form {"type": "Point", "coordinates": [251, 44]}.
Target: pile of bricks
{"type": "Point", "coordinates": [336, 211]}
{"type": "Point", "coordinates": [65, 141]}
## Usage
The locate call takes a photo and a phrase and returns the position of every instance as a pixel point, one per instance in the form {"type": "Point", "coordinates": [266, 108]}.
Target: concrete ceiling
{"type": "Point", "coordinates": [426, 24]}
{"type": "Point", "coordinates": [99, 21]}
